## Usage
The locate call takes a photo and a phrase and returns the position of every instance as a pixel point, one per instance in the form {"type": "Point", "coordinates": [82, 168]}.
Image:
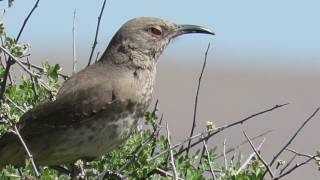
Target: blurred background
{"type": "Point", "coordinates": [264, 53]}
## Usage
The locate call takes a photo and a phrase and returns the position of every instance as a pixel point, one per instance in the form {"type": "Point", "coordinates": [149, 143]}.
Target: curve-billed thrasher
{"type": "Point", "coordinates": [96, 109]}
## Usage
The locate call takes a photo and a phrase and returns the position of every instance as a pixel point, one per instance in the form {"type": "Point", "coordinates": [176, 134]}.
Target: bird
{"type": "Point", "coordinates": [97, 108]}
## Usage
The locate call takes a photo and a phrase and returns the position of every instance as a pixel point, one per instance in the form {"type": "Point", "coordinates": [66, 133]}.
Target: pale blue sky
{"type": "Point", "coordinates": [279, 32]}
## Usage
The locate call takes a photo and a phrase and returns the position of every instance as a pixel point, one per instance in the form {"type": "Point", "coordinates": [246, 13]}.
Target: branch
{"type": "Point", "coordinates": [26, 20]}
{"type": "Point", "coordinates": [299, 154]}
{"type": "Point", "coordinates": [36, 76]}
{"type": "Point", "coordinates": [218, 130]}
{"type": "Point", "coordinates": [213, 132]}
{"type": "Point", "coordinates": [294, 136]}
{"type": "Point", "coordinates": [259, 156]}
{"type": "Point", "coordinates": [97, 32]}
{"type": "Point", "coordinates": [243, 143]}
{"type": "Point", "coordinates": [175, 174]}
{"type": "Point", "coordinates": [209, 159]}
{"type": "Point", "coordinates": [39, 68]}
{"type": "Point", "coordinates": [10, 62]}
{"type": "Point", "coordinates": [74, 43]}
{"type": "Point", "coordinates": [294, 168]}
{"type": "Point", "coordinates": [288, 164]}
{"type": "Point", "coordinates": [34, 167]}
{"type": "Point", "coordinates": [196, 99]}
{"type": "Point", "coordinates": [244, 165]}
{"type": "Point", "coordinates": [224, 154]}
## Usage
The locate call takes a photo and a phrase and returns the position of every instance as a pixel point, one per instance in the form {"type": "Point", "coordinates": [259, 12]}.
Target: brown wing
{"type": "Point", "coordinates": [81, 96]}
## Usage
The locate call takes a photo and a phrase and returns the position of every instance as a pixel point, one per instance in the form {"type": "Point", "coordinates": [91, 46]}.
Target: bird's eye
{"type": "Point", "coordinates": [155, 30]}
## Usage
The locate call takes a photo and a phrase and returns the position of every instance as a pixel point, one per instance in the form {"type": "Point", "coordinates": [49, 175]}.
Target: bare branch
{"type": "Point", "coordinates": [26, 20]}
{"type": "Point", "coordinates": [74, 43]}
{"type": "Point", "coordinates": [209, 159]}
{"type": "Point", "coordinates": [175, 174]}
{"type": "Point", "coordinates": [196, 99]}
{"type": "Point", "coordinates": [166, 173]}
{"type": "Point", "coordinates": [220, 129]}
{"type": "Point", "coordinates": [243, 143]}
{"type": "Point", "coordinates": [259, 156]}
{"type": "Point", "coordinates": [224, 154]}
{"type": "Point", "coordinates": [298, 153]}
{"type": "Point", "coordinates": [97, 32]}
{"type": "Point", "coordinates": [97, 56]}
{"type": "Point", "coordinates": [294, 136]}
{"type": "Point", "coordinates": [244, 165]}
{"type": "Point", "coordinates": [294, 168]}
{"type": "Point", "coordinates": [34, 167]}
{"type": "Point", "coordinates": [288, 164]}
{"type": "Point", "coordinates": [212, 132]}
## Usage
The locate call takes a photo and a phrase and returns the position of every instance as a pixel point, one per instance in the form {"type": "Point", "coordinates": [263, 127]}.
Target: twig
{"type": "Point", "coordinates": [166, 173]}
{"type": "Point", "coordinates": [36, 76]}
{"type": "Point", "coordinates": [214, 131]}
{"type": "Point", "coordinates": [196, 98]}
{"type": "Point", "coordinates": [294, 136]}
{"type": "Point", "coordinates": [175, 174]}
{"type": "Point", "coordinates": [244, 165]}
{"type": "Point", "coordinates": [41, 69]}
{"type": "Point", "coordinates": [293, 168]}
{"type": "Point", "coordinates": [16, 105]}
{"type": "Point", "coordinates": [209, 159]}
{"type": "Point", "coordinates": [155, 137]}
{"type": "Point", "coordinates": [34, 87]}
{"type": "Point", "coordinates": [97, 57]}
{"type": "Point", "coordinates": [259, 156]}
{"type": "Point", "coordinates": [26, 20]}
{"type": "Point", "coordinates": [17, 61]}
{"type": "Point", "coordinates": [74, 43]}
{"type": "Point", "coordinates": [97, 32]}
{"type": "Point", "coordinates": [288, 164]}
{"type": "Point", "coordinates": [138, 150]}
{"type": "Point", "coordinates": [243, 143]}
{"type": "Point", "coordinates": [10, 62]}
{"type": "Point", "coordinates": [16, 131]}
{"type": "Point", "coordinates": [218, 130]}
{"type": "Point", "coordinates": [298, 153]}
{"type": "Point", "coordinates": [224, 154]}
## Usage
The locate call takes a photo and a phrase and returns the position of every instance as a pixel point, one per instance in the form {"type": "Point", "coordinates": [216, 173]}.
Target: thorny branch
{"type": "Point", "coordinates": [213, 132]}
{"type": "Point", "coordinates": [220, 129]}
{"type": "Point", "coordinates": [294, 168]}
{"type": "Point", "coordinates": [294, 136]}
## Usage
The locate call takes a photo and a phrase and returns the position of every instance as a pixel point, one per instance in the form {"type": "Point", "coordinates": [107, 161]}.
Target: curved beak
{"type": "Point", "coordinates": [186, 29]}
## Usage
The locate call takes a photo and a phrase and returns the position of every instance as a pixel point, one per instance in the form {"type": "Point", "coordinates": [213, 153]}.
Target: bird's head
{"type": "Point", "coordinates": [144, 39]}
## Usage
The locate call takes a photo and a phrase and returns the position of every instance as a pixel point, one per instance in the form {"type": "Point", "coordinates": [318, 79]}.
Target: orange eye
{"type": "Point", "coordinates": [155, 31]}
